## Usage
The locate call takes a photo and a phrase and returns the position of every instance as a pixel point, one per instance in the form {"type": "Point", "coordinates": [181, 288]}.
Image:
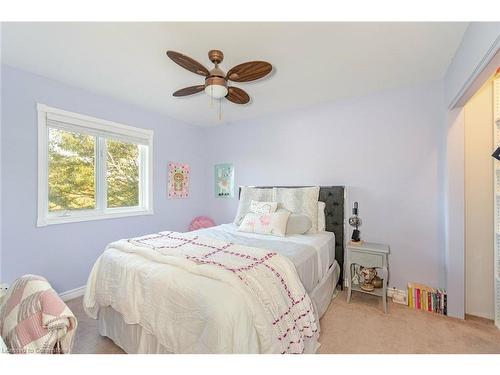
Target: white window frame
{"type": "Point", "coordinates": [102, 128]}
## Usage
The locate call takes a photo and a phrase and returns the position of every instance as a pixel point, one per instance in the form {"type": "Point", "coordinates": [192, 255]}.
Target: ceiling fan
{"type": "Point", "coordinates": [216, 81]}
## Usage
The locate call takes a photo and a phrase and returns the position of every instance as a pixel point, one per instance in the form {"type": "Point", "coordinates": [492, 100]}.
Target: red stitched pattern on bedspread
{"type": "Point", "coordinates": [292, 324]}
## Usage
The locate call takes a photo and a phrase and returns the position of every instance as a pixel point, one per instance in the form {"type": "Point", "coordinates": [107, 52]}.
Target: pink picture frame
{"type": "Point", "coordinates": [178, 180]}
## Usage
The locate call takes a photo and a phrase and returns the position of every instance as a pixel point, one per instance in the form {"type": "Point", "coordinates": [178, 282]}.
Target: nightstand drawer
{"type": "Point", "coordinates": [365, 259]}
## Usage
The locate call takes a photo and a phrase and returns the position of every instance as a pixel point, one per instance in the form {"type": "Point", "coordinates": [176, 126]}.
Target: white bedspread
{"type": "Point", "coordinates": [311, 254]}
{"type": "Point", "coordinates": [202, 295]}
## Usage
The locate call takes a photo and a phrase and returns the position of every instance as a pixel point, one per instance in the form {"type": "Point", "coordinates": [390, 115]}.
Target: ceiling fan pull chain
{"type": "Point", "coordinates": [220, 109]}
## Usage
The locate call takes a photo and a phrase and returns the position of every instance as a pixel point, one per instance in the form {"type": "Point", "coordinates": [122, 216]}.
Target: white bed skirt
{"type": "Point", "coordinates": [134, 339]}
{"type": "Point", "coordinates": [322, 295]}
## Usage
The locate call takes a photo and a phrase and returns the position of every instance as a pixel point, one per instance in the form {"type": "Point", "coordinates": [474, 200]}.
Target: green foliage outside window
{"type": "Point", "coordinates": [123, 174]}
{"type": "Point", "coordinates": [72, 173]}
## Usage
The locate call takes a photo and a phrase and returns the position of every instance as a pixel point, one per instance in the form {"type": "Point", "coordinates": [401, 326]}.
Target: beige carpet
{"type": "Point", "coordinates": [358, 327]}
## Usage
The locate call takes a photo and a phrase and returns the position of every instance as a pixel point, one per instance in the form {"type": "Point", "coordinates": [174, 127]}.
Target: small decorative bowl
{"type": "Point", "coordinates": [367, 287]}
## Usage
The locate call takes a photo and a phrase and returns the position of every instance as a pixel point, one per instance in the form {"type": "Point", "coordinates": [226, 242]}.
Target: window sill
{"type": "Point", "coordinates": [50, 220]}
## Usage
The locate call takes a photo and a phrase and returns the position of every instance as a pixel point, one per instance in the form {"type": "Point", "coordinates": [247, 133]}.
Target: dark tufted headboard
{"type": "Point", "coordinates": [334, 198]}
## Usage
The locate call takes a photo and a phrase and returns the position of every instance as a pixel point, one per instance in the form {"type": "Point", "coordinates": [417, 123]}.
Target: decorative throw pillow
{"type": "Point", "coordinates": [300, 201]}
{"type": "Point", "coordinates": [249, 194]}
{"type": "Point", "coordinates": [273, 223]}
{"type": "Point", "coordinates": [298, 224]}
{"type": "Point", "coordinates": [201, 222]}
{"type": "Point", "coordinates": [263, 207]}
{"type": "Point", "coordinates": [321, 216]}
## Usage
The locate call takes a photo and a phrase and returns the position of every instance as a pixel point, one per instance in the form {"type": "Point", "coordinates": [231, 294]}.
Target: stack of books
{"type": "Point", "coordinates": [422, 297]}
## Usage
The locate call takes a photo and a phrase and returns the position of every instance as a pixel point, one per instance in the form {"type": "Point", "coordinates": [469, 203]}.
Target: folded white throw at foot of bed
{"type": "Point", "coordinates": [281, 311]}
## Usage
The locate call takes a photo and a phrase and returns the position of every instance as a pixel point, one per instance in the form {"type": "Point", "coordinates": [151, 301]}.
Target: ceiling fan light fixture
{"type": "Point", "coordinates": [216, 91]}
{"type": "Point", "coordinates": [216, 87]}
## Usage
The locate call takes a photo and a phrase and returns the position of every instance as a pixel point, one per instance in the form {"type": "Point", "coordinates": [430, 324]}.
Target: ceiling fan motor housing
{"type": "Point", "coordinates": [215, 56]}
{"type": "Point", "coordinates": [215, 81]}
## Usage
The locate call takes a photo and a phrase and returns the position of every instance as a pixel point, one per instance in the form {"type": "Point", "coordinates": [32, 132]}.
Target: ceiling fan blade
{"type": "Point", "coordinates": [249, 71]}
{"type": "Point", "coordinates": [236, 95]}
{"type": "Point", "coordinates": [188, 63]}
{"type": "Point", "coordinates": [189, 90]}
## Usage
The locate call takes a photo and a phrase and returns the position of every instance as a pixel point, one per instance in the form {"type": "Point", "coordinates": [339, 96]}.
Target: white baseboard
{"type": "Point", "coordinates": [65, 296]}
{"type": "Point", "coordinates": [73, 293]}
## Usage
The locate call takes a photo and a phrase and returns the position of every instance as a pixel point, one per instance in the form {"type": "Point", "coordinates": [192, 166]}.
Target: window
{"type": "Point", "coordinates": [91, 169]}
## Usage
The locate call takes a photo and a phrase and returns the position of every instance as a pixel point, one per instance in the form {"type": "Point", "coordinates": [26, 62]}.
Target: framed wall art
{"type": "Point", "coordinates": [178, 180]}
{"type": "Point", "coordinates": [224, 180]}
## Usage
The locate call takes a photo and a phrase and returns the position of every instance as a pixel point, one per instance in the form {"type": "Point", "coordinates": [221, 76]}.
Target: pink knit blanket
{"type": "Point", "coordinates": [34, 319]}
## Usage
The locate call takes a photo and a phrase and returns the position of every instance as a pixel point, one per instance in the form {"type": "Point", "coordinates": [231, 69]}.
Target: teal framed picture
{"type": "Point", "coordinates": [224, 180]}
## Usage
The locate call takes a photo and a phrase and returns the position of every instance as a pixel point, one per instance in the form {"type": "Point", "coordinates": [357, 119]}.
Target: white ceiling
{"type": "Point", "coordinates": [313, 62]}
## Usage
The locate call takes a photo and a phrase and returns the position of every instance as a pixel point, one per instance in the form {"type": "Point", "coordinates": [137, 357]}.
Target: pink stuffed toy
{"type": "Point", "coordinates": [201, 222]}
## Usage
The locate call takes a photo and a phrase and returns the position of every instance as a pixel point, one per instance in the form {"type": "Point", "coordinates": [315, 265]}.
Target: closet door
{"type": "Point", "coordinates": [496, 166]}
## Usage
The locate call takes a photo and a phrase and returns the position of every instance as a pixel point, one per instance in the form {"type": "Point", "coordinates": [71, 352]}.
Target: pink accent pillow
{"type": "Point", "coordinates": [201, 222]}
{"type": "Point", "coordinates": [273, 223]}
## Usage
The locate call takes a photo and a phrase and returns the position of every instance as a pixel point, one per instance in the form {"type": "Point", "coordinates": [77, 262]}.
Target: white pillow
{"type": "Point", "coordinates": [248, 194]}
{"type": "Point", "coordinates": [298, 224]}
{"type": "Point", "coordinates": [263, 207]}
{"type": "Point", "coordinates": [273, 223]}
{"type": "Point", "coordinates": [321, 216]}
{"type": "Point", "coordinates": [300, 201]}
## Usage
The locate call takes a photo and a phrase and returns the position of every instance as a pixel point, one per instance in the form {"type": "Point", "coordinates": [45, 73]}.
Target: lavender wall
{"type": "Point", "coordinates": [387, 147]}
{"type": "Point", "coordinates": [65, 253]}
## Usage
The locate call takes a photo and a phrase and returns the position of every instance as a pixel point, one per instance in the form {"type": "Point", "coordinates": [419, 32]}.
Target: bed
{"type": "Point", "coordinates": [147, 306]}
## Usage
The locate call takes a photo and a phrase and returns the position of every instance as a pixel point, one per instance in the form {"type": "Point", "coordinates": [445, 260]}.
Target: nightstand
{"type": "Point", "coordinates": [368, 254]}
